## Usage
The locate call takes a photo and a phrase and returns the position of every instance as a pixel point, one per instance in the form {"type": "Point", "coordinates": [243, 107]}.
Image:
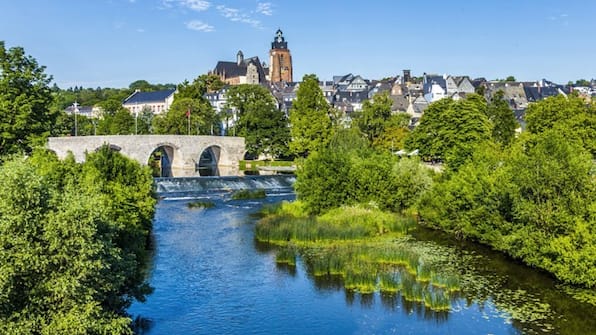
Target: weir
{"type": "Point", "coordinates": [168, 186]}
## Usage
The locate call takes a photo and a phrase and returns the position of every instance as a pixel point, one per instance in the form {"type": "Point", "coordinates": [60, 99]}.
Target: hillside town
{"type": "Point", "coordinates": [410, 93]}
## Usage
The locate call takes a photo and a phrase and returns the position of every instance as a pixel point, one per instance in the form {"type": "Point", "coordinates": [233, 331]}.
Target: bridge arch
{"type": "Point", "coordinates": [161, 159]}
{"type": "Point", "coordinates": [208, 161]}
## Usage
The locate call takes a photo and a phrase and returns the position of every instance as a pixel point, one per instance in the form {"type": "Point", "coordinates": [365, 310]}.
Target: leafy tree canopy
{"type": "Point", "coordinates": [567, 113]}
{"type": "Point", "coordinates": [260, 121]}
{"type": "Point", "coordinates": [311, 125]}
{"type": "Point", "coordinates": [25, 98]}
{"type": "Point", "coordinates": [450, 130]}
{"type": "Point", "coordinates": [73, 240]}
{"type": "Point", "coordinates": [187, 116]}
{"type": "Point", "coordinates": [374, 115]}
{"type": "Point", "coordinates": [502, 119]}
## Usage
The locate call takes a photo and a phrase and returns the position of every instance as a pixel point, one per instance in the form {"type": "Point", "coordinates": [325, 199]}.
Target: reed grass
{"type": "Point", "coordinates": [362, 246]}
{"type": "Point", "coordinates": [286, 255]}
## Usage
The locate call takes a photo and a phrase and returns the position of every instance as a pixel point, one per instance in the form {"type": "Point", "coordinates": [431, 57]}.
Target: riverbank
{"type": "Point", "coordinates": [367, 254]}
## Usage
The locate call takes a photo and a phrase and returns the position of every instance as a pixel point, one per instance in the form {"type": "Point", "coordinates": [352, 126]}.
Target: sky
{"type": "Point", "coordinates": [112, 43]}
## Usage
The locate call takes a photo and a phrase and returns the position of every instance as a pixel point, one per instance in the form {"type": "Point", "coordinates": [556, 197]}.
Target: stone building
{"type": "Point", "coordinates": [280, 60]}
{"type": "Point", "coordinates": [242, 71]}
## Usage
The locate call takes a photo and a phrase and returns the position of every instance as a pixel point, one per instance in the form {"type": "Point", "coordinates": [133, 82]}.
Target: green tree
{"type": "Point", "coordinates": [144, 121]}
{"type": "Point", "coordinates": [566, 113]}
{"type": "Point", "coordinates": [109, 107]}
{"type": "Point", "coordinates": [582, 82]}
{"type": "Point", "coordinates": [450, 130]}
{"type": "Point", "coordinates": [260, 122]}
{"type": "Point", "coordinates": [73, 241]}
{"type": "Point", "coordinates": [120, 123]}
{"type": "Point", "coordinates": [374, 115]}
{"type": "Point", "coordinates": [502, 119]}
{"type": "Point", "coordinates": [25, 100]}
{"type": "Point", "coordinates": [187, 116]}
{"type": "Point", "coordinates": [204, 83]}
{"type": "Point", "coordinates": [311, 127]}
{"type": "Point", "coordinates": [65, 125]}
{"type": "Point", "coordinates": [395, 132]}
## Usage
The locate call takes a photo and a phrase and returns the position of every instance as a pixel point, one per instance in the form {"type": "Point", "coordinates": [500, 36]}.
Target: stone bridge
{"type": "Point", "coordinates": [180, 155]}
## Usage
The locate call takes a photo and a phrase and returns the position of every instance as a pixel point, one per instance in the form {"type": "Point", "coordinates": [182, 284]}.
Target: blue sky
{"type": "Point", "coordinates": [111, 43]}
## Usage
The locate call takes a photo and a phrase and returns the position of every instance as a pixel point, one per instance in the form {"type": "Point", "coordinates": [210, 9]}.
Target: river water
{"type": "Point", "coordinates": [211, 277]}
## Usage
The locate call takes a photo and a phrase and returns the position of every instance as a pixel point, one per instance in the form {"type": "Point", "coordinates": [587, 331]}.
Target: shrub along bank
{"type": "Point", "coordinates": [73, 241]}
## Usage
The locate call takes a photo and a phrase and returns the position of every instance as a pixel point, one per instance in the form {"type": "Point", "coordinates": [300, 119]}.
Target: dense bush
{"type": "Point", "coordinates": [337, 176]}
{"type": "Point", "coordinates": [534, 201]}
{"type": "Point", "coordinates": [73, 241]}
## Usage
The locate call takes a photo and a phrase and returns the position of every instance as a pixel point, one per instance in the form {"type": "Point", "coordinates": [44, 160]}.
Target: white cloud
{"type": "Point", "coordinates": [264, 8]}
{"type": "Point", "coordinates": [200, 26]}
{"type": "Point", "coordinates": [196, 5]}
{"type": "Point", "coordinates": [140, 30]}
{"type": "Point", "coordinates": [236, 15]}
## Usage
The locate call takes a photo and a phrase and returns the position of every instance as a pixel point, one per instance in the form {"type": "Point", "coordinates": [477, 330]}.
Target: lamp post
{"type": "Point", "coordinates": [136, 122]}
{"type": "Point", "coordinates": [75, 110]}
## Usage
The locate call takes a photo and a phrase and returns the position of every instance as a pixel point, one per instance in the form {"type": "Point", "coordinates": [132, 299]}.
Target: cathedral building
{"type": "Point", "coordinates": [242, 71]}
{"type": "Point", "coordinates": [252, 71]}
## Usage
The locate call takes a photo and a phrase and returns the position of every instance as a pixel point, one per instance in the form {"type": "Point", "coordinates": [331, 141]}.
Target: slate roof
{"type": "Point", "coordinates": [233, 69]}
{"type": "Point", "coordinates": [429, 80]}
{"type": "Point", "coordinates": [400, 103]}
{"type": "Point", "coordinates": [352, 97]}
{"type": "Point", "coordinates": [139, 97]}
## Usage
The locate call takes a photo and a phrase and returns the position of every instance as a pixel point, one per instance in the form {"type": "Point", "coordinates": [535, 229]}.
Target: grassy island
{"type": "Point", "coordinates": [367, 248]}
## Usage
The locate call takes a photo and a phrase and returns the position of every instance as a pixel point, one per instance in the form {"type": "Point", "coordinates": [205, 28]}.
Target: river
{"type": "Point", "coordinates": [211, 277]}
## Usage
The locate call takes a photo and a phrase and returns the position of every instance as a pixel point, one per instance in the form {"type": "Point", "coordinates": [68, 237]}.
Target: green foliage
{"type": "Point", "coordinates": [260, 122]}
{"type": "Point", "coordinates": [203, 120]}
{"type": "Point", "coordinates": [360, 245]}
{"type": "Point", "coordinates": [502, 119]}
{"type": "Point", "coordinates": [25, 98]}
{"type": "Point", "coordinates": [311, 126]}
{"type": "Point", "coordinates": [450, 130]}
{"type": "Point", "coordinates": [535, 201]}
{"type": "Point", "coordinates": [374, 115]}
{"type": "Point", "coordinates": [249, 194]}
{"type": "Point", "coordinates": [196, 90]}
{"type": "Point", "coordinates": [338, 175]}
{"type": "Point", "coordinates": [65, 125]}
{"type": "Point", "coordinates": [73, 240]}
{"type": "Point", "coordinates": [120, 122]}
{"type": "Point", "coordinates": [568, 114]}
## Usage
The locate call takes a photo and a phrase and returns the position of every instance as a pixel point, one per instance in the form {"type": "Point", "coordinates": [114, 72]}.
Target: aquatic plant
{"type": "Point", "coordinates": [249, 194]}
{"type": "Point", "coordinates": [286, 255]}
{"type": "Point", "coordinates": [200, 204]}
{"type": "Point", "coordinates": [363, 246]}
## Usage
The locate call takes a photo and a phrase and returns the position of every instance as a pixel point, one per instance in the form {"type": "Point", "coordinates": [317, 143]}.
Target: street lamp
{"type": "Point", "coordinates": [75, 110]}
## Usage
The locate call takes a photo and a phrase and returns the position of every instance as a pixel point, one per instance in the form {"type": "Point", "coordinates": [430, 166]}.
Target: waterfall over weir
{"type": "Point", "coordinates": [189, 185]}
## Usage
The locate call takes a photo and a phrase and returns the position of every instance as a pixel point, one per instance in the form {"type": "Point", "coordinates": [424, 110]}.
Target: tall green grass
{"type": "Point", "coordinates": [359, 245]}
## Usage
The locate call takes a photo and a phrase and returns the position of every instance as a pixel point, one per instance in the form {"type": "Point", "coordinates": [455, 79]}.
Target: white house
{"type": "Point", "coordinates": [158, 101]}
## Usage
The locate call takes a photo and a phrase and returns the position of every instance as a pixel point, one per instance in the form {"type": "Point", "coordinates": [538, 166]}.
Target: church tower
{"type": "Point", "coordinates": [280, 59]}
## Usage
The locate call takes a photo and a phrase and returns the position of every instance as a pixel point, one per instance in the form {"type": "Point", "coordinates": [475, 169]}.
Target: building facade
{"type": "Point", "coordinates": [158, 101]}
